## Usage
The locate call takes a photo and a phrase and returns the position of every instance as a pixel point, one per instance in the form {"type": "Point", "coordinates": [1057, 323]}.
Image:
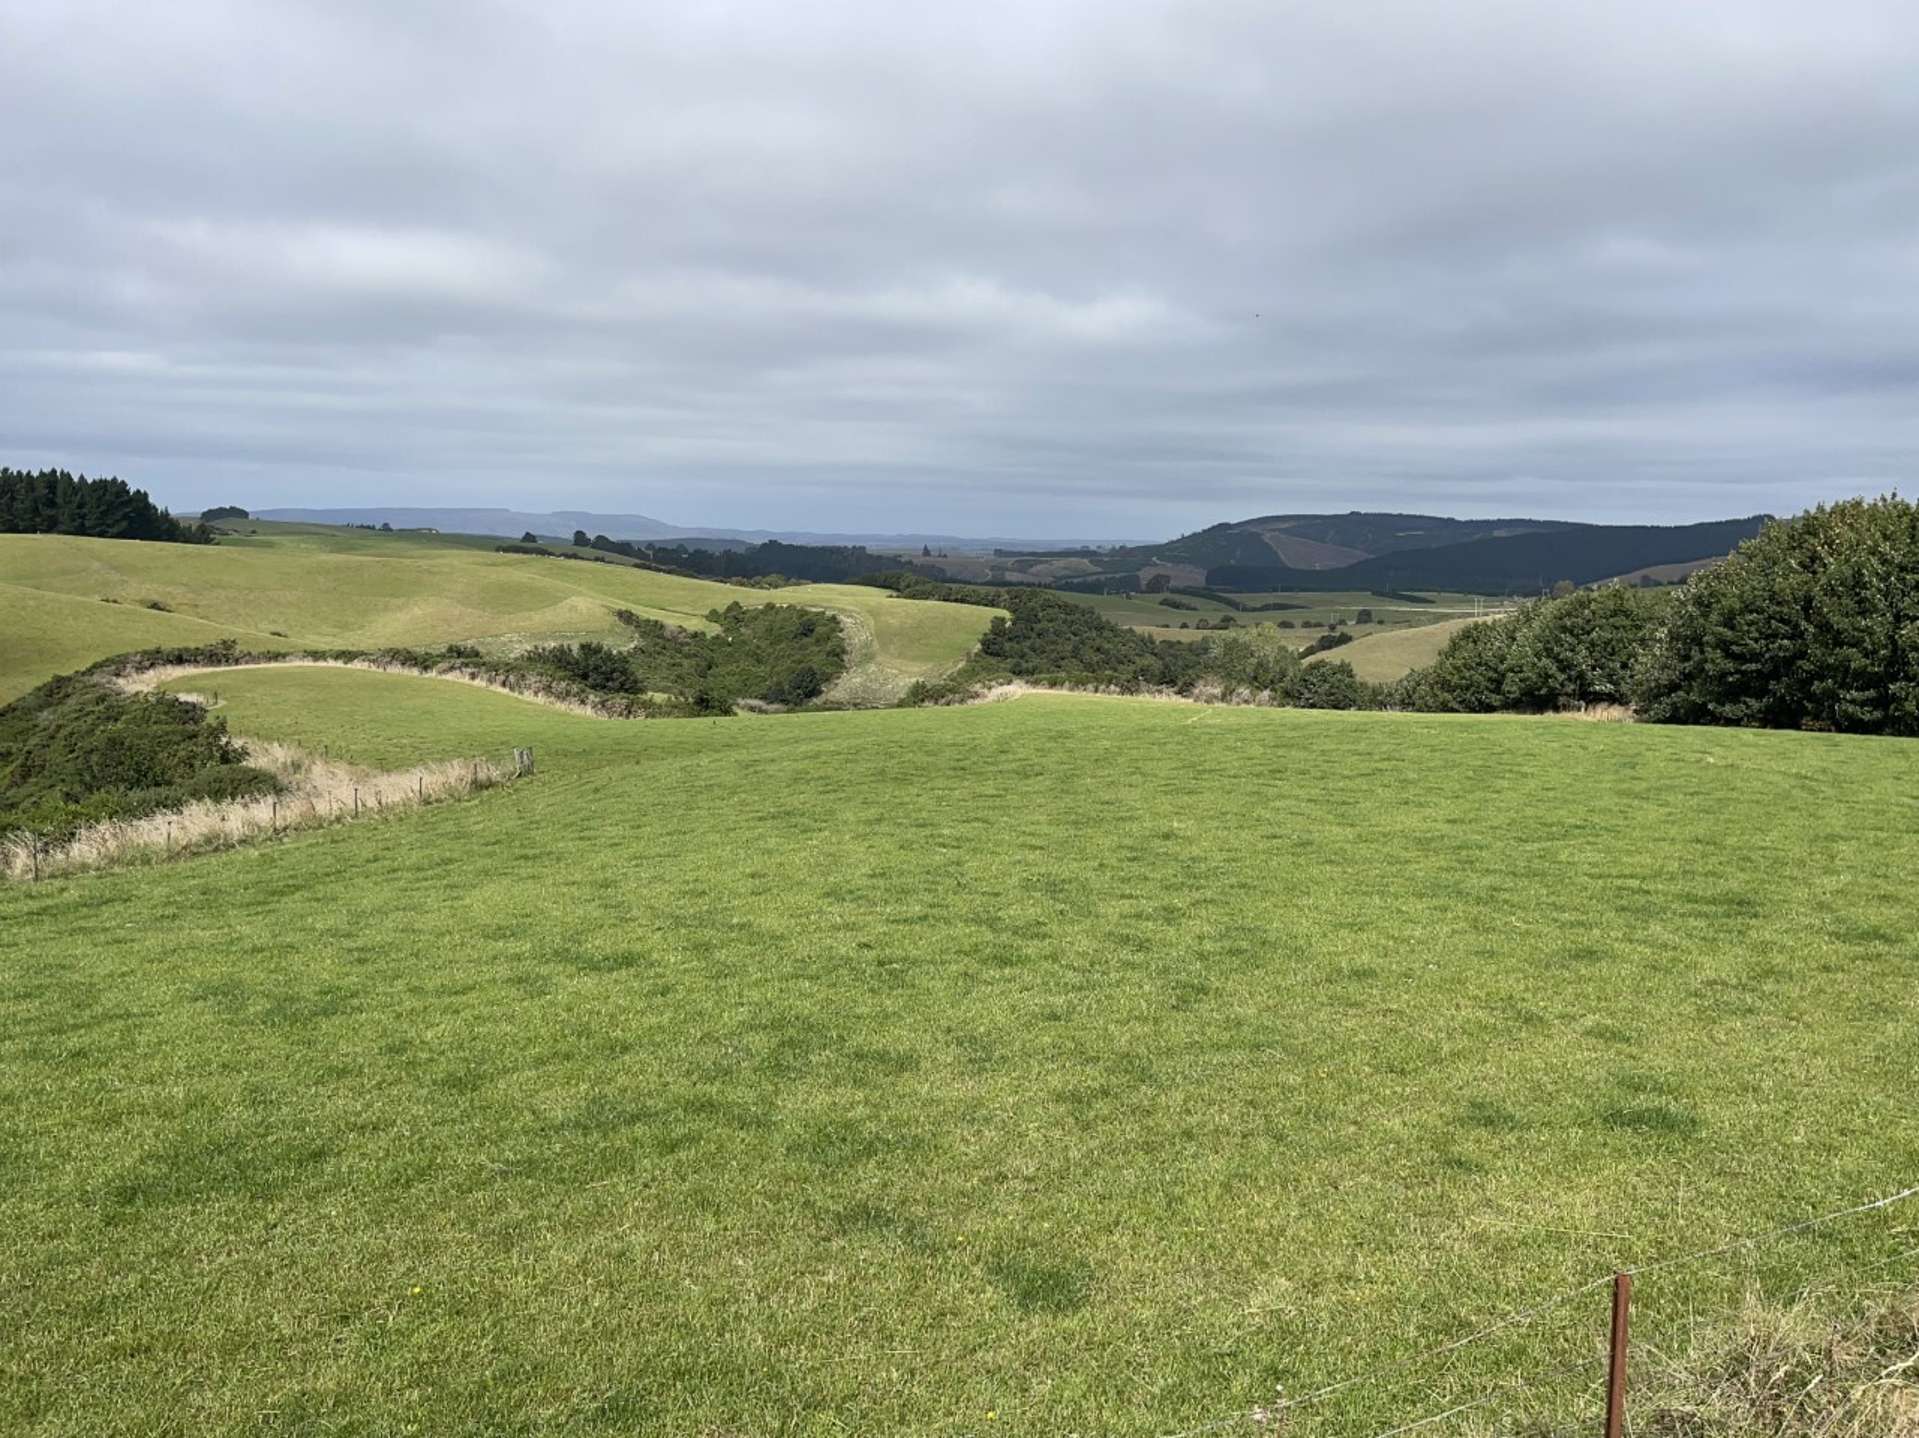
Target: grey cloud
{"type": "Point", "coordinates": [1086, 268]}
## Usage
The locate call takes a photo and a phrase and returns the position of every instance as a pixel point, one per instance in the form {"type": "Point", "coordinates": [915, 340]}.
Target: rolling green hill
{"type": "Point", "coordinates": [824, 1074]}
{"type": "Point", "coordinates": [344, 588]}
{"type": "Point", "coordinates": [1385, 655]}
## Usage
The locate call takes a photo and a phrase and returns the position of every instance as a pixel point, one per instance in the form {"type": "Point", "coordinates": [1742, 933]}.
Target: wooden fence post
{"type": "Point", "coordinates": [1616, 1373]}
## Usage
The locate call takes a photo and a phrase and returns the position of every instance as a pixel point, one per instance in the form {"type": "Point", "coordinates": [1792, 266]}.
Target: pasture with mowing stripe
{"type": "Point", "coordinates": [1095, 1064]}
{"type": "Point", "coordinates": [307, 585]}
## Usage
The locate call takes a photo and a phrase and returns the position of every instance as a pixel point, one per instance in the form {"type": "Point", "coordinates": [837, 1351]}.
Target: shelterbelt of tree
{"type": "Point", "coordinates": [53, 501]}
{"type": "Point", "coordinates": [66, 602]}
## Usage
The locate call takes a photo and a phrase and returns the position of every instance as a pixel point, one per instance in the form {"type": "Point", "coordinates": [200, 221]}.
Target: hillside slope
{"type": "Point", "coordinates": [1530, 563]}
{"type": "Point", "coordinates": [1331, 541]}
{"type": "Point", "coordinates": [1376, 551]}
{"type": "Point", "coordinates": [1523, 563]}
{"type": "Point", "coordinates": [1394, 653]}
{"type": "Point", "coordinates": [355, 590]}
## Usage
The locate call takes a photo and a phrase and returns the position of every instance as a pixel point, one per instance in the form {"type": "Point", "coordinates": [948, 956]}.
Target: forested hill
{"type": "Point", "coordinates": [1520, 563]}
{"type": "Point", "coordinates": [53, 501]}
{"type": "Point", "coordinates": [1373, 550]}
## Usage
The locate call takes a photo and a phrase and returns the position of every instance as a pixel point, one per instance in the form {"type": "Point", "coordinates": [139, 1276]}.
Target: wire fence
{"type": "Point", "coordinates": [1271, 1418]}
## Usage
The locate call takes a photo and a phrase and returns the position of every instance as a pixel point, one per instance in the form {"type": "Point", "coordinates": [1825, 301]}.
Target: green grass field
{"type": "Point", "coordinates": [1393, 618]}
{"type": "Point", "coordinates": [1056, 1066]}
{"type": "Point", "coordinates": [343, 588]}
{"type": "Point", "coordinates": [1381, 656]}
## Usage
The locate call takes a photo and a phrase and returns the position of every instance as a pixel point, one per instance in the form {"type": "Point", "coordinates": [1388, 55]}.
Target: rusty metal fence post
{"type": "Point", "coordinates": [1616, 1371]}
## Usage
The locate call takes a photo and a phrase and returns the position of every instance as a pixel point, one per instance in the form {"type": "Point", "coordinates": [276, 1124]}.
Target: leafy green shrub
{"type": "Point", "coordinates": [914, 586]}
{"type": "Point", "coordinates": [76, 750]}
{"type": "Point", "coordinates": [1814, 624]}
{"type": "Point", "coordinates": [1547, 654]}
{"type": "Point", "coordinates": [1252, 659]}
{"type": "Point", "coordinates": [1046, 633]}
{"type": "Point", "coordinates": [595, 665]}
{"type": "Point", "coordinates": [774, 653]}
{"type": "Point", "coordinates": [1332, 639]}
{"type": "Point", "coordinates": [1329, 685]}
{"type": "Point", "coordinates": [1579, 649]}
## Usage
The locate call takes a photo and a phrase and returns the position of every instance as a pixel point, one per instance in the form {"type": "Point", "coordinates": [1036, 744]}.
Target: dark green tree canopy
{"type": "Point", "coordinates": [52, 501]}
{"type": "Point", "coordinates": [1812, 625]}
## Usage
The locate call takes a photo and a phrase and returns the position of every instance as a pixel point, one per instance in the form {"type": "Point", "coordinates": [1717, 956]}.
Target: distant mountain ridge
{"type": "Point", "coordinates": [1359, 550]}
{"type": "Point", "coordinates": [1365, 550]}
{"type": "Point", "coordinates": [512, 523]}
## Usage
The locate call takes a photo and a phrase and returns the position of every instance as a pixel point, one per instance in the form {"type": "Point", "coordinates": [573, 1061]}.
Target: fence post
{"type": "Point", "coordinates": [35, 843]}
{"type": "Point", "coordinates": [274, 823]}
{"type": "Point", "coordinates": [1616, 1372]}
{"type": "Point", "coordinates": [419, 788]}
{"type": "Point", "coordinates": [356, 801]}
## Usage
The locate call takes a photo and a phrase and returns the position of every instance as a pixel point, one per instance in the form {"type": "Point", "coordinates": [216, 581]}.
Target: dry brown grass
{"type": "Point", "coordinates": [1768, 1370]}
{"type": "Point", "coordinates": [318, 791]}
{"type": "Point", "coordinates": [1601, 713]}
{"type": "Point", "coordinates": [1205, 693]}
{"type": "Point", "coordinates": [1791, 1370]}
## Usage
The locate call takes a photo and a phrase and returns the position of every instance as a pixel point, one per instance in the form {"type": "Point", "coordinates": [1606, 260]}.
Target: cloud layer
{"type": "Point", "coordinates": [1099, 269]}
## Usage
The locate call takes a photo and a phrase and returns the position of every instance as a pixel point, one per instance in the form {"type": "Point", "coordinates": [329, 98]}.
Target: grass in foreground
{"type": "Point", "coordinates": [1098, 1064]}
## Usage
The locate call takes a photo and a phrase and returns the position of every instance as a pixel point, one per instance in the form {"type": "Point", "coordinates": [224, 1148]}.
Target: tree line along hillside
{"type": "Point", "coordinates": [773, 559]}
{"type": "Point", "coordinates": [1813, 624]}
{"type": "Point", "coordinates": [1381, 552]}
{"type": "Point", "coordinates": [52, 501]}
{"type": "Point", "coordinates": [1527, 563]}
{"type": "Point", "coordinates": [1048, 640]}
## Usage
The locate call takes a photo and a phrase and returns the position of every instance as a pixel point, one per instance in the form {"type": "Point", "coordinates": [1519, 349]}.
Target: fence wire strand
{"type": "Point", "coordinates": [1506, 1392]}
{"type": "Point", "coordinates": [1759, 1238]}
{"type": "Point", "coordinates": [1281, 1406]}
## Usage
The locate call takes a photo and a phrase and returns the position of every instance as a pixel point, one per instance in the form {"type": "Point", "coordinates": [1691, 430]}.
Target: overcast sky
{"type": "Point", "coordinates": [1103, 269]}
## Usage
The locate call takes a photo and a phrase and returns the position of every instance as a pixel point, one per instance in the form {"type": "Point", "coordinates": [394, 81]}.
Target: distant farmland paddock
{"type": "Point", "coordinates": [818, 1074]}
{"type": "Point", "coordinates": [66, 602]}
{"type": "Point", "coordinates": [1390, 615]}
{"type": "Point", "coordinates": [1386, 655]}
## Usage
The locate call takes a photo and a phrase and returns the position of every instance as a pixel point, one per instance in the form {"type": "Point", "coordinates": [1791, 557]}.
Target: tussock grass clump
{"type": "Point", "coordinates": [1601, 713]}
{"type": "Point", "coordinates": [314, 791]}
{"type": "Point", "coordinates": [1792, 1371]}
{"type": "Point", "coordinates": [1818, 1365]}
